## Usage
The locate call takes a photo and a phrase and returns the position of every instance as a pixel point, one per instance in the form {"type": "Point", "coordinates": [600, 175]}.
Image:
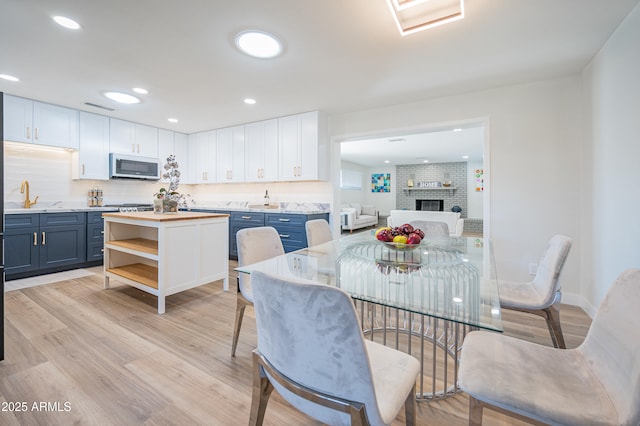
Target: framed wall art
{"type": "Point", "coordinates": [381, 182]}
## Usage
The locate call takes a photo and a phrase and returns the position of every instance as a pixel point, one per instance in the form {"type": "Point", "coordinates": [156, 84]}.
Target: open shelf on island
{"type": "Point", "coordinates": [139, 272]}
{"type": "Point", "coordinates": [139, 244]}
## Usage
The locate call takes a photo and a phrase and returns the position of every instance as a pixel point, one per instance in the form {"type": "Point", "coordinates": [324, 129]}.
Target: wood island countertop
{"type": "Point", "coordinates": [164, 217]}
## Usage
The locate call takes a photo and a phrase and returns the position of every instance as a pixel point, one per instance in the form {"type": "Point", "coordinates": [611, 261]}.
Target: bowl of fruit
{"type": "Point", "coordinates": [403, 237]}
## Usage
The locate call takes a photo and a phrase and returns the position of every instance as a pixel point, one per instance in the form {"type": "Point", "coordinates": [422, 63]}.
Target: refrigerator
{"type": "Point", "coordinates": [2, 229]}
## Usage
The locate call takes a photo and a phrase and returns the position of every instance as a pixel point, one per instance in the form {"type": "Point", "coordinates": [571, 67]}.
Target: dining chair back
{"type": "Point", "coordinates": [431, 229]}
{"type": "Point", "coordinates": [597, 383]}
{"type": "Point", "coordinates": [312, 351]}
{"type": "Point", "coordinates": [254, 245]}
{"type": "Point", "coordinates": [543, 294]}
{"type": "Point", "coordinates": [318, 232]}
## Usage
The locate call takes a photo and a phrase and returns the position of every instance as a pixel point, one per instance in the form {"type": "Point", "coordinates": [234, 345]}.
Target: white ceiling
{"type": "Point", "coordinates": [340, 55]}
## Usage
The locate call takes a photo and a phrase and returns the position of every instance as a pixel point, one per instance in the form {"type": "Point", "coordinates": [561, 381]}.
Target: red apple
{"type": "Point", "coordinates": [414, 238]}
{"type": "Point", "coordinates": [385, 235]}
{"type": "Point", "coordinates": [419, 232]}
{"type": "Point", "coordinates": [406, 228]}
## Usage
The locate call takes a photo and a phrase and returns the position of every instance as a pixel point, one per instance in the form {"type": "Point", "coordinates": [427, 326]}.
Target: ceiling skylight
{"type": "Point", "coordinates": [122, 98]}
{"type": "Point", "coordinates": [66, 22]}
{"type": "Point", "coordinates": [258, 44]}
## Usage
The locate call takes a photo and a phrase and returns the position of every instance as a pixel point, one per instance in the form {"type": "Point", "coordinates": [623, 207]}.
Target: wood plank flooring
{"type": "Point", "coordinates": [105, 357]}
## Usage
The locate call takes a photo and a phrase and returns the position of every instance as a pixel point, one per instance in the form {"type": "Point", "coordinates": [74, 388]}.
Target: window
{"type": "Point", "coordinates": [350, 179]}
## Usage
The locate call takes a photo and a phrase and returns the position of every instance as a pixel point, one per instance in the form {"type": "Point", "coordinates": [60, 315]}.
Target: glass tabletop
{"type": "Point", "coordinates": [452, 278]}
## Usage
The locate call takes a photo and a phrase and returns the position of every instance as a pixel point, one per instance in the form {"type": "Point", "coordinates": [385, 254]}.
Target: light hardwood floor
{"type": "Point", "coordinates": [107, 358]}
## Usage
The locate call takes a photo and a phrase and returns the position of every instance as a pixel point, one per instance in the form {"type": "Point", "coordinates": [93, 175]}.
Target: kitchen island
{"type": "Point", "coordinates": [164, 254]}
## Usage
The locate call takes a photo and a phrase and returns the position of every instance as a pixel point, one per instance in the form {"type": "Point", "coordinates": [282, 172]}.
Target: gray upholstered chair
{"type": "Point", "coordinates": [254, 245]}
{"type": "Point", "coordinates": [431, 229]}
{"type": "Point", "coordinates": [542, 295]}
{"type": "Point", "coordinates": [598, 383]}
{"type": "Point", "coordinates": [312, 351]}
{"type": "Point", "coordinates": [318, 232]}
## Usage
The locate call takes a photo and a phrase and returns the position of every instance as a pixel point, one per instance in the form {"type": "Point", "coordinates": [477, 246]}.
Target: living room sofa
{"type": "Point", "coordinates": [453, 220]}
{"type": "Point", "coordinates": [356, 216]}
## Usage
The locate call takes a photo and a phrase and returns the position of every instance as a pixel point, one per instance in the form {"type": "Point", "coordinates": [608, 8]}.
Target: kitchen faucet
{"type": "Point", "coordinates": [27, 201]}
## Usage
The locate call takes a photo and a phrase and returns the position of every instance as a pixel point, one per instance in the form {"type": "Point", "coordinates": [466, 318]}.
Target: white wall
{"type": "Point", "coordinates": [610, 177]}
{"type": "Point", "coordinates": [474, 198]}
{"type": "Point", "coordinates": [534, 169]}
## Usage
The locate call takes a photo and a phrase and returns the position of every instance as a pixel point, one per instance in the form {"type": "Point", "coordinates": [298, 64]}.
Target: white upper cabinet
{"type": "Point", "coordinates": [303, 147]}
{"type": "Point", "coordinates": [91, 161]}
{"type": "Point", "coordinates": [231, 154]}
{"type": "Point", "coordinates": [261, 151]}
{"type": "Point", "coordinates": [133, 139]}
{"type": "Point", "coordinates": [202, 157]}
{"type": "Point", "coordinates": [41, 123]}
{"type": "Point", "coordinates": [171, 143]}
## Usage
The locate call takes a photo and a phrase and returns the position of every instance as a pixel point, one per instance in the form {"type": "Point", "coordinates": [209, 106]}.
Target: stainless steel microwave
{"type": "Point", "coordinates": [132, 167]}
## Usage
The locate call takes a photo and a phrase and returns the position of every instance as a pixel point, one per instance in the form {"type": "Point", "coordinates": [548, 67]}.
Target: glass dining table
{"type": "Point", "coordinates": [420, 299]}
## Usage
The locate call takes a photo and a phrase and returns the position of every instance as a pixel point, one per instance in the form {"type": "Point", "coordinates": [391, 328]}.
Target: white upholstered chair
{"type": "Point", "coordinates": [431, 229]}
{"type": "Point", "coordinates": [598, 383]}
{"type": "Point", "coordinates": [318, 232]}
{"type": "Point", "coordinates": [312, 351]}
{"type": "Point", "coordinates": [254, 245]}
{"type": "Point", "coordinates": [542, 295]}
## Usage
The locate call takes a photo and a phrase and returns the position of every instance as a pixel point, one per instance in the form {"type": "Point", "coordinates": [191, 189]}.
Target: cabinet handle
{"type": "Point", "coordinates": [133, 147]}
{"type": "Point", "coordinates": [35, 132]}
{"type": "Point", "coordinates": [102, 232]}
{"type": "Point", "coordinates": [138, 148]}
{"type": "Point", "coordinates": [246, 217]}
{"type": "Point", "coordinates": [35, 238]}
{"type": "Point", "coordinates": [28, 132]}
{"type": "Point", "coordinates": [82, 169]}
{"type": "Point", "coordinates": [283, 220]}
{"type": "Point", "coordinates": [44, 238]}
{"type": "Point", "coordinates": [284, 235]}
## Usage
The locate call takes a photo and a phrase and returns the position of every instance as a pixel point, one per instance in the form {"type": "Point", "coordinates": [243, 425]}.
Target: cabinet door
{"type": "Point", "coordinates": [166, 147]}
{"type": "Point", "coordinates": [55, 125]}
{"type": "Point", "coordinates": [308, 146]}
{"type": "Point", "coordinates": [288, 147]}
{"type": "Point", "coordinates": [205, 148]}
{"type": "Point", "coordinates": [18, 119]}
{"type": "Point", "coordinates": [230, 158]}
{"type": "Point", "coordinates": [261, 151]}
{"type": "Point", "coordinates": [192, 168]}
{"type": "Point", "coordinates": [21, 249]}
{"type": "Point", "coordinates": [62, 245]}
{"type": "Point", "coordinates": [122, 136]}
{"type": "Point", "coordinates": [181, 151]}
{"type": "Point", "coordinates": [146, 138]}
{"type": "Point", "coordinates": [91, 161]}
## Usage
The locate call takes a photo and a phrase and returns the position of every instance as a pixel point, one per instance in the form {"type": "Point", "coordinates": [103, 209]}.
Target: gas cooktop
{"type": "Point", "coordinates": [132, 207]}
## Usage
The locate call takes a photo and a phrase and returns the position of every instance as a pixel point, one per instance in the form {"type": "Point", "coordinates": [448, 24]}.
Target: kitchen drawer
{"type": "Point", "coordinates": [95, 231]}
{"type": "Point", "coordinates": [292, 238]}
{"type": "Point", "coordinates": [275, 219]}
{"type": "Point", "coordinates": [247, 217]}
{"type": "Point", "coordinates": [12, 221]}
{"type": "Point", "coordinates": [95, 251]}
{"type": "Point", "coordinates": [96, 217]}
{"type": "Point", "coordinates": [69, 218]}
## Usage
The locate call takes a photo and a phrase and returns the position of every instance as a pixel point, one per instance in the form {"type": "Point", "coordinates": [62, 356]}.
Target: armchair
{"type": "Point", "coordinates": [356, 216]}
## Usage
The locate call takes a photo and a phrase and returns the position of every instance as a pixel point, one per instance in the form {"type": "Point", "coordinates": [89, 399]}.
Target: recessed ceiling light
{"type": "Point", "coordinates": [66, 22]}
{"type": "Point", "coordinates": [140, 90]}
{"type": "Point", "coordinates": [172, 120]}
{"type": "Point", "coordinates": [258, 44]}
{"type": "Point", "coordinates": [250, 101]}
{"type": "Point", "coordinates": [425, 161]}
{"type": "Point", "coordinates": [122, 98]}
{"type": "Point", "coordinates": [386, 161]}
{"type": "Point", "coordinates": [457, 130]}
{"type": "Point", "coordinates": [9, 77]}
{"type": "Point", "coordinates": [465, 156]}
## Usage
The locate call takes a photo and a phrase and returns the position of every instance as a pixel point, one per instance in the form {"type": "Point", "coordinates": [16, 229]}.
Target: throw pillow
{"type": "Point", "coordinates": [369, 210]}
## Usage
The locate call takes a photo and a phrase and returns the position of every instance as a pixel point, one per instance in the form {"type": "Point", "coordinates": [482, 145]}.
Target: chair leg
{"type": "Point", "coordinates": [553, 323]}
{"type": "Point", "coordinates": [410, 408]}
{"type": "Point", "coordinates": [261, 390]}
{"type": "Point", "coordinates": [475, 412]}
{"type": "Point", "coordinates": [241, 304]}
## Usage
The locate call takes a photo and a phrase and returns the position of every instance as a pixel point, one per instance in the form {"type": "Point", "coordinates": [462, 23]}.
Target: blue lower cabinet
{"type": "Point", "coordinates": [291, 228]}
{"type": "Point", "coordinates": [46, 241]}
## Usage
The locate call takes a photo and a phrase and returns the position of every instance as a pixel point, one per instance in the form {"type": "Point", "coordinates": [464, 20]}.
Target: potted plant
{"type": "Point", "coordinates": [170, 200]}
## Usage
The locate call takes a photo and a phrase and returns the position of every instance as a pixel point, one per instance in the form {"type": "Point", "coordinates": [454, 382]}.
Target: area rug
{"type": "Point", "coordinates": [46, 279]}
